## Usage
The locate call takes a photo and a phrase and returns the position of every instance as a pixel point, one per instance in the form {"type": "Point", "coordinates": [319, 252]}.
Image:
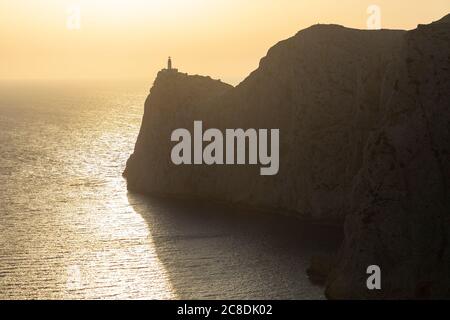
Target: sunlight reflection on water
{"type": "Point", "coordinates": [67, 230]}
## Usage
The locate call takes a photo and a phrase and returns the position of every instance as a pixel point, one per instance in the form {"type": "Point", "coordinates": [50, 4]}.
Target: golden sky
{"type": "Point", "coordinates": [132, 38]}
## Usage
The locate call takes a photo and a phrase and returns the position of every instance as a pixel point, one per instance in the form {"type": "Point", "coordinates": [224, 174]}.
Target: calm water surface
{"type": "Point", "coordinates": [69, 228]}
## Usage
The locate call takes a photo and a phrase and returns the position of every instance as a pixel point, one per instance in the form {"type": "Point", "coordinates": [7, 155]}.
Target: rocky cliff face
{"type": "Point", "coordinates": [400, 213]}
{"type": "Point", "coordinates": [364, 134]}
{"type": "Point", "coordinates": [175, 101]}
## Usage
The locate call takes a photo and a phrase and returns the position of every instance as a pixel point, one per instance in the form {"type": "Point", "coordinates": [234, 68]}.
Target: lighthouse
{"type": "Point", "coordinates": [169, 68]}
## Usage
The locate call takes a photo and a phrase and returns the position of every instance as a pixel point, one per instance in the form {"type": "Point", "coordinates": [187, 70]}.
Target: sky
{"type": "Point", "coordinates": [131, 39]}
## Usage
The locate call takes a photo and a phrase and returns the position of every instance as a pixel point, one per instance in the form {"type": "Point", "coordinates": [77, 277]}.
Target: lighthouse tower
{"type": "Point", "coordinates": [169, 66]}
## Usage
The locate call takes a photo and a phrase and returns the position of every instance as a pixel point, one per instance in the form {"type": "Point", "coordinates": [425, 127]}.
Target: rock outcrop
{"type": "Point", "coordinates": [175, 101]}
{"type": "Point", "coordinates": [400, 214]}
{"type": "Point", "coordinates": [364, 136]}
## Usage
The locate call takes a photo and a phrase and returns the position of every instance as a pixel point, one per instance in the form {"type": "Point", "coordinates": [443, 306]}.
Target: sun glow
{"type": "Point", "coordinates": [138, 11]}
{"type": "Point", "coordinates": [132, 38]}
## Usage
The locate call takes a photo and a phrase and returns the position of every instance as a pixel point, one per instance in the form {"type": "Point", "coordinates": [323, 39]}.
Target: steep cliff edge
{"type": "Point", "coordinates": [175, 101]}
{"type": "Point", "coordinates": [364, 135]}
{"type": "Point", "coordinates": [400, 215]}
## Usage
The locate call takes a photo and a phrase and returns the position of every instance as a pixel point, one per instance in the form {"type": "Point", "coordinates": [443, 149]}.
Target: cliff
{"type": "Point", "coordinates": [175, 101]}
{"type": "Point", "coordinates": [400, 214]}
{"type": "Point", "coordinates": [364, 129]}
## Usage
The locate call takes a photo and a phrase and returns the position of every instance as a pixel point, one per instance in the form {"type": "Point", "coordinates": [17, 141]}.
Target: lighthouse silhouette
{"type": "Point", "coordinates": [169, 66]}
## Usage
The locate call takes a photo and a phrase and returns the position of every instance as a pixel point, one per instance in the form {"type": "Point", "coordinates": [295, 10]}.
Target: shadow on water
{"type": "Point", "coordinates": [216, 252]}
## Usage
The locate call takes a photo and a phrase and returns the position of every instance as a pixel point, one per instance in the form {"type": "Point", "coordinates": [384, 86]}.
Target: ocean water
{"type": "Point", "coordinates": [70, 230]}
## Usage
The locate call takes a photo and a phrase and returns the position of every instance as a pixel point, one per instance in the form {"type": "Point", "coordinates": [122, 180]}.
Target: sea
{"type": "Point", "coordinates": [69, 229]}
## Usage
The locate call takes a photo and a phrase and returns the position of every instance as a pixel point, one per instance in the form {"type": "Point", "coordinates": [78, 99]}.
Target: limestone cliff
{"type": "Point", "coordinates": [364, 135]}
{"type": "Point", "coordinates": [400, 214]}
{"type": "Point", "coordinates": [175, 101]}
